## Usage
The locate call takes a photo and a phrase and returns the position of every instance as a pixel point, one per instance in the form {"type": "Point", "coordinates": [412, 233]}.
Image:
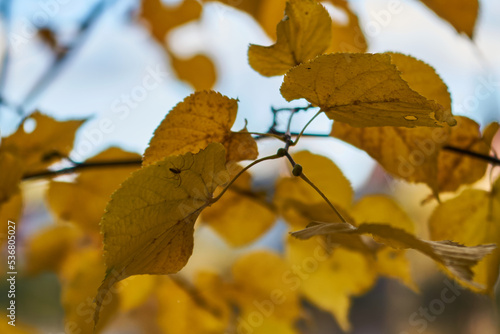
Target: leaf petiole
{"type": "Point", "coordinates": [271, 157]}
{"type": "Point", "coordinates": [303, 177]}
{"type": "Point", "coordinates": [305, 127]}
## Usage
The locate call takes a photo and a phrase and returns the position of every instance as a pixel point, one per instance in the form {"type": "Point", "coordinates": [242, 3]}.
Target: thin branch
{"type": "Point", "coordinates": [271, 157]}
{"type": "Point", "coordinates": [488, 158]}
{"type": "Point", "coordinates": [305, 127]}
{"type": "Point", "coordinates": [82, 166]}
{"type": "Point", "coordinates": [62, 58]}
{"type": "Point", "coordinates": [253, 196]}
{"type": "Point", "coordinates": [303, 177]}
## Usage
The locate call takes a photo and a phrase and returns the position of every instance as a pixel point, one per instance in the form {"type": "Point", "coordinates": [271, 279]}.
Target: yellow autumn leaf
{"type": "Point", "coordinates": [457, 258]}
{"type": "Point", "coordinates": [48, 249]}
{"type": "Point", "coordinates": [241, 215]}
{"type": "Point", "coordinates": [83, 201]}
{"type": "Point", "coordinates": [274, 298]}
{"type": "Point", "coordinates": [202, 118]}
{"type": "Point", "coordinates": [134, 291]}
{"type": "Point", "coordinates": [455, 169]}
{"type": "Point", "coordinates": [268, 13]}
{"type": "Point", "coordinates": [250, 7]}
{"type": "Point", "coordinates": [389, 262]}
{"type": "Point", "coordinates": [12, 173]}
{"type": "Point", "coordinates": [472, 218]}
{"type": "Point", "coordinates": [48, 142]}
{"type": "Point", "coordinates": [416, 155]}
{"type": "Point", "coordinates": [162, 18]}
{"type": "Point", "coordinates": [182, 311]}
{"type": "Point", "coordinates": [199, 71]}
{"type": "Point", "coordinates": [19, 328]}
{"type": "Point", "coordinates": [10, 211]}
{"type": "Point", "coordinates": [362, 90]}
{"type": "Point", "coordinates": [149, 222]}
{"type": "Point", "coordinates": [346, 37]}
{"type": "Point", "coordinates": [462, 15]}
{"type": "Point", "coordinates": [410, 154]}
{"type": "Point", "coordinates": [322, 172]}
{"type": "Point", "coordinates": [329, 278]}
{"type": "Point", "coordinates": [81, 275]}
{"type": "Point", "coordinates": [304, 33]}
{"type": "Point", "coordinates": [422, 78]}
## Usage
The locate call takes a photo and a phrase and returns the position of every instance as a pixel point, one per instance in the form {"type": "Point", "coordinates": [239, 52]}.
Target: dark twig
{"type": "Point", "coordinates": [488, 158]}
{"type": "Point", "coordinates": [82, 166]}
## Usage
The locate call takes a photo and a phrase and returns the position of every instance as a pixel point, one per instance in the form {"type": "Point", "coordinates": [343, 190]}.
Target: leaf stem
{"type": "Point", "coordinates": [305, 127]}
{"type": "Point", "coordinates": [271, 157]}
{"type": "Point", "coordinates": [303, 177]}
{"type": "Point", "coordinates": [261, 135]}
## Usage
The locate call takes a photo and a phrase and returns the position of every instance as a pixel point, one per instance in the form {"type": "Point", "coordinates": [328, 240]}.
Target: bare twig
{"type": "Point", "coordinates": [82, 166]}
{"type": "Point", "coordinates": [62, 58]}
{"type": "Point", "coordinates": [488, 158]}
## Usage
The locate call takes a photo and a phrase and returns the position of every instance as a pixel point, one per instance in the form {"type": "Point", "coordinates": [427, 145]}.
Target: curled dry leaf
{"type": "Point", "coordinates": [472, 218]}
{"type": "Point", "coordinates": [458, 259]}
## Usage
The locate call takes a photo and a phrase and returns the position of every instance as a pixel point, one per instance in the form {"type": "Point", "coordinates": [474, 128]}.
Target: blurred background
{"type": "Point", "coordinates": [108, 64]}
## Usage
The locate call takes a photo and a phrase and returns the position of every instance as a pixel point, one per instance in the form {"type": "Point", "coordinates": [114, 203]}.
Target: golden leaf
{"type": "Point", "coordinates": [329, 278]}
{"type": "Point", "coordinates": [455, 169]}
{"type": "Point", "coordinates": [416, 155]}
{"type": "Point", "coordinates": [48, 249]}
{"type": "Point", "coordinates": [472, 218]}
{"type": "Point", "coordinates": [10, 211]}
{"type": "Point", "coordinates": [181, 311]}
{"type": "Point", "coordinates": [304, 33]}
{"type": "Point", "coordinates": [202, 118]}
{"type": "Point", "coordinates": [346, 37]}
{"type": "Point", "coordinates": [273, 296]}
{"type": "Point", "coordinates": [321, 171]}
{"type": "Point", "coordinates": [162, 18]}
{"type": "Point", "coordinates": [12, 173]}
{"type": "Point", "coordinates": [362, 90]}
{"type": "Point", "coordinates": [240, 216]}
{"type": "Point", "coordinates": [48, 142]}
{"type": "Point", "coordinates": [389, 262]}
{"type": "Point", "coordinates": [149, 222]}
{"type": "Point", "coordinates": [81, 275]}
{"type": "Point", "coordinates": [462, 15]}
{"type": "Point", "coordinates": [199, 71]}
{"type": "Point", "coordinates": [84, 200]}
{"type": "Point", "coordinates": [134, 291]}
